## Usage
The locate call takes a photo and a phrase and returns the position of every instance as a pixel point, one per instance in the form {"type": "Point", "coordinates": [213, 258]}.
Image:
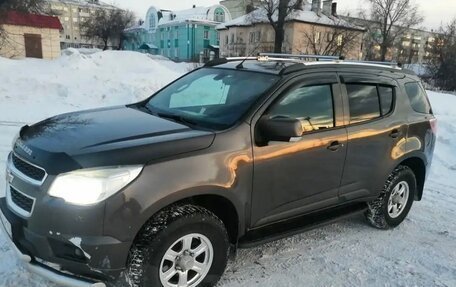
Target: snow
{"type": "Point", "coordinates": [420, 252]}
{"type": "Point", "coordinates": [79, 81]}
{"type": "Point", "coordinates": [304, 15]}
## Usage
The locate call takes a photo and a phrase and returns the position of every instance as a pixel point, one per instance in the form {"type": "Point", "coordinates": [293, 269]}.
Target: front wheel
{"type": "Point", "coordinates": [182, 246]}
{"type": "Point", "coordinates": [395, 201]}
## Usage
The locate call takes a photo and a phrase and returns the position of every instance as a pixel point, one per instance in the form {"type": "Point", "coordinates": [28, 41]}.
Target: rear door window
{"type": "Point", "coordinates": [417, 97]}
{"type": "Point", "coordinates": [386, 99]}
{"type": "Point", "coordinates": [363, 101]}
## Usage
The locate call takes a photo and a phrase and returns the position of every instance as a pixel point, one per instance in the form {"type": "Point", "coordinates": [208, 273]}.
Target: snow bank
{"type": "Point", "coordinates": [444, 162]}
{"type": "Point", "coordinates": [36, 89]}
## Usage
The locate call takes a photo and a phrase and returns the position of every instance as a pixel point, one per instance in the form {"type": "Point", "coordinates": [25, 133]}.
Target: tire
{"type": "Point", "coordinates": [381, 213]}
{"type": "Point", "coordinates": [166, 233]}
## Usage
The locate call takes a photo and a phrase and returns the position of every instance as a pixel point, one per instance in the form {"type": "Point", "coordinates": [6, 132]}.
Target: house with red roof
{"type": "Point", "coordinates": [30, 35]}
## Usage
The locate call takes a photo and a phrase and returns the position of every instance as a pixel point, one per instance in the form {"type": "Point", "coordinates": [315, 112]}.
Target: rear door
{"type": "Point", "coordinates": [376, 131]}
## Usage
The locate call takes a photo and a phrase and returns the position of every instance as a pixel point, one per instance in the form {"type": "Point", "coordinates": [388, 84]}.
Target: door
{"type": "Point", "coordinates": [376, 134]}
{"type": "Point", "coordinates": [302, 174]}
{"type": "Point", "coordinates": [33, 47]}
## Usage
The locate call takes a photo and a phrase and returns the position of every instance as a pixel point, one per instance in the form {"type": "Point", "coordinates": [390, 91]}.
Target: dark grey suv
{"type": "Point", "coordinates": [233, 154]}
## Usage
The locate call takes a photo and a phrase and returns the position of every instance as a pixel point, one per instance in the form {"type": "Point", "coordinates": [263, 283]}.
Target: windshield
{"type": "Point", "coordinates": [211, 98]}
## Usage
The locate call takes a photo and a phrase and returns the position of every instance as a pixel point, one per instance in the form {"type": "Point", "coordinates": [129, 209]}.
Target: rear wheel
{"type": "Point", "coordinates": [182, 246]}
{"type": "Point", "coordinates": [395, 201]}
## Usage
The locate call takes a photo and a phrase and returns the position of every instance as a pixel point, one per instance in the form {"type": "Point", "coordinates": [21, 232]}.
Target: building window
{"type": "Point", "coordinates": [219, 15]}
{"type": "Point", "coordinates": [251, 37]}
{"type": "Point", "coordinates": [257, 36]}
{"type": "Point", "coordinates": [152, 22]}
{"type": "Point", "coordinates": [329, 37]}
{"type": "Point", "coordinates": [67, 19]}
{"type": "Point", "coordinates": [340, 40]}
{"type": "Point", "coordinates": [206, 35]}
{"type": "Point", "coordinates": [176, 42]}
{"type": "Point", "coordinates": [75, 20]}
{"type": "Point", "coordinates": [317, 37]}
{"type": "Point", "coordinates": [176, 53]}
{"type": "Point", "coordinates": [226, 40]}
{"type": "Point", "coordinates": [67, 37]}
{"type": "Point", "coordinates": [232, 39]}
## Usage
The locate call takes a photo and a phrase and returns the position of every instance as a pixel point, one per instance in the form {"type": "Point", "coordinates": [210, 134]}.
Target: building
{"type": "Point", "coordinates": [312, 29]}
{"type": "Point", "coordinates": [71, 14]}
{"type": "Point", "coordinates": [411, 47]}
{"type": "Point", "coordinates": [178, 35]}
{"type": "Point", "coordinates": [239, 8]}
{"type": "Point", "coordinates": [30, 35]}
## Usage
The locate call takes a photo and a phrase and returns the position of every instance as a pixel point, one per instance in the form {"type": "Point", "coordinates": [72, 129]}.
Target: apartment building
{"type": "Point", "coordinates": [311, 29]}
{"type": "Point", "coordinates": [413, 46]}
{"type": "Point", "coordinates": [71, 14]}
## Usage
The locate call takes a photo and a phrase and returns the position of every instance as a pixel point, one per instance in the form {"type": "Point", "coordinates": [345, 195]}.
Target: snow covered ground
{"type": "Point", "coordinates": [420, 252]}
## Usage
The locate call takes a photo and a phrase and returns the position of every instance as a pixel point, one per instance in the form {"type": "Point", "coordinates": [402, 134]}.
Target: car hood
{"type": "Point", "coordinates": [106, 137]}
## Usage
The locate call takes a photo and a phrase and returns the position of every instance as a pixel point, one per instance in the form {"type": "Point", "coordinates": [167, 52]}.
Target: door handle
{"type": "Point", "coordinates": [395, 133]}
{"type": "Point", "coordinates": [334, 146]}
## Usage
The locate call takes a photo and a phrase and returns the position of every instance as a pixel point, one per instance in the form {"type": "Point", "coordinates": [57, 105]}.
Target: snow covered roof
{"type": "Point", "coordinates": [305, 15]}
{"type": "Point", "coordinates": [194, 14]}
{"type": "Point", "coordinates": [94, 3]}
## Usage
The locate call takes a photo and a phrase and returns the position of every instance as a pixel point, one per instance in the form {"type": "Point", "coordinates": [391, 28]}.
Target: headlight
{"type": "Point", "coordinates": [13, 143]}
{"type": "Point", "coordinates": [90, 186]}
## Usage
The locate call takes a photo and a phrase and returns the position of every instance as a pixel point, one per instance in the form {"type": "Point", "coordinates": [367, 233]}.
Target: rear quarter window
{"type": "Point", "coordinates": [418, 98]}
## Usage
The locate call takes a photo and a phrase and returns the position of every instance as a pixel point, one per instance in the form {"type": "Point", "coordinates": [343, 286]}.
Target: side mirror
{"type": "Point", "coordinates": [280, 128]}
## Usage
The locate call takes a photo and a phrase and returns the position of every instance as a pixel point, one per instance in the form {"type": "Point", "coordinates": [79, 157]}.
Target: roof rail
{"type": "Point", "coordinates": [298, 56]}
{"type": "Point", "coordinates": [304, 59]}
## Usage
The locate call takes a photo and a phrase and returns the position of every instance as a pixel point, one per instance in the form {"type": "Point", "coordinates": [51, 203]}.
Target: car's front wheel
{"type": "Point", "coordinates": [182, 246]}
{"type": "Point", "coordinates": [395, 201]}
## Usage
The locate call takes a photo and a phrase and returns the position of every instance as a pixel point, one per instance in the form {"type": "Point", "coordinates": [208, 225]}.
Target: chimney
{"type": "Point", "coordinates": [316, 6]}
{"type": "Point", "coordinates": [334, 9]}
{"type": "Point", "coordinates": [327, 7]}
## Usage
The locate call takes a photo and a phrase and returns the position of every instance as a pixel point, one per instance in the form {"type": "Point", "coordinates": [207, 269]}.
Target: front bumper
{"type": "Point", "coordinates": [34, 266]}
{"type": "Point", "coordinates": [61, 242]}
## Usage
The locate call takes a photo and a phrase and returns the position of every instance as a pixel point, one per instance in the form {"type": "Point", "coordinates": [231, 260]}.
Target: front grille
{"type": "Point", "coordinates": [22, 201]}
{"type": "Point", "coordinates": [27, 169]}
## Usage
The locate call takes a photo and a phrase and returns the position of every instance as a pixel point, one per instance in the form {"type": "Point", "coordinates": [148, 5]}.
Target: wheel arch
{"type": "Point", "coordinates": [216, 200]}
{"type": "Point", "coordinates": [418, 166]}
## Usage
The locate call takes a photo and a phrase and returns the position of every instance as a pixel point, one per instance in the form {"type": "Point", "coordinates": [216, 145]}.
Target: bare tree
{"type": "Point", "coordinates": [277, 12]}
{"type": "Point", "coordinates": [442, 59]}
{"type": "Point", "coordinates": [331, 41]}
{"type": "Point", "coordinates": [108, 25]}
{"type": "Point", "coordinates": [389, 20]}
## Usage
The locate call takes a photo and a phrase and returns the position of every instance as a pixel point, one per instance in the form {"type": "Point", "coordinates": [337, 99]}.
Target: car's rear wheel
{"type": "Point", "coordinates": [395, 201]}
{"type": "Point", "coordinates": [182, 246]}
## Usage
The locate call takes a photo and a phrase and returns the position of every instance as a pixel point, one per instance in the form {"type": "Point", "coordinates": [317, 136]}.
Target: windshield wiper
{"type": "Point", "coordinates": [177, 118]}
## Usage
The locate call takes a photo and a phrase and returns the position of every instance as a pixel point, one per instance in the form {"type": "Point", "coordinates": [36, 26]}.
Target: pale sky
{"type": "Point", "coordinates": [434, 11]}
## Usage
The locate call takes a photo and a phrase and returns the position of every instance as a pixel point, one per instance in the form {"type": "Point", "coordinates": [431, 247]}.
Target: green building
{"type": "Point", "coordinates": [182, 36]}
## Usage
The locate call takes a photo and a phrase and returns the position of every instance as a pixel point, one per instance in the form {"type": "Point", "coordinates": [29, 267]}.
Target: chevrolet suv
{"type": "Point", "coordinates": [233, 154]}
